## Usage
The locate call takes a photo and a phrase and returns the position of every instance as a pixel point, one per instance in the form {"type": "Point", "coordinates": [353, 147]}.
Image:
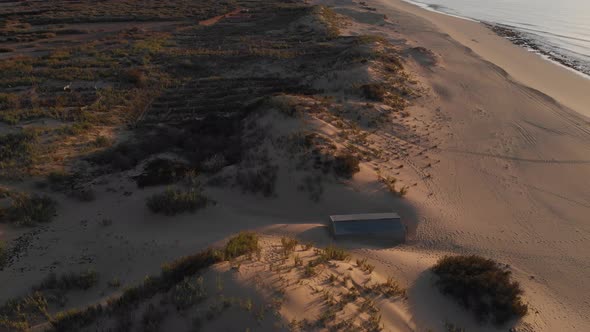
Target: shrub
{"type": "Point", "coordinates": [214, 164]}
{"type": "Point", "coordinates": [3, 254]}
{"type": "Point", "coordinates": [114, 283]}
{"type": "Point", "coordinates": [101, 141]}
{"type": "Point", "coordinates": [83, 280]}
{"type": "Point", "coordinates": [161, 171]}
{"type": "Point", "coordinates": [242, 244]}
{"type": "Point", "coordinates": [390, 288]}
{"type": "Point", "coordinates": [21, 312]}
{"type": "Point", "coordinates": [346, 165]}
{"type": "Point", "coordinates": [152, 319]}
{"type": "Point", "coordinates": [374, 91]}
{"type": "Point", "coordinates": [188, 292]}
{"type": "Point", "coordinates": [288, 245]}
{"type": "Point", "coordinates": [333, 253]}
{"type": "Point", "coordinates": [60, 180]}
{"type": "Point", "coordinates": [482, 285]}
{"type": "Point", "coordinates": [309, 270]}
{"type": "Point", "coordinates": [31, 209]}
{"type": "Point", "coordinates": [390, 182]}
{"type": "Point", "coordinates": [135, 76]}
{"type": "Point", "coordinates": [260, 180]}
{"type": "Point", "coordinates": [17, 150]}
{"type": "Point", "coordinates": [75, 319]}
{"type": "Point", "coordinates": [172, 202]}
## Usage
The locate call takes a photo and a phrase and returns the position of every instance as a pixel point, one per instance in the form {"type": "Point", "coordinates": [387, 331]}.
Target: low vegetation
{"type": "Point", "coordinates": [3, 255]}
{"type": "Point", "coordinates": [346, 165]}
{"type": "Point", "coordinates": [175, 201]}
{"type": "Point", "coordinates": [330, 253]}
{"type": "Point", "coordinates": [29, 210]}
{"type": "Point", "coordinates": [242, 244]}
{"type": "Point", "coordinates": [188, 292]}
{"type": "Point", "coordinates": [390, 182]}
{"type": "Point", "coordinates": [160, 172]}
{"type": "Point", "coordinates": [69, 281]}
{"type": "Point", "coordinates": [481, 285]}
{"type": "Point", "coordinates": [258, 180]}
{"type": "Point", "coordinates": [288, 245]}
{"type": "Point", "coordinates": [374, 91]}
{"type": "Point", "coordinates": [17, 153]}
{"type": "Point", "coordinates": [172, 274]}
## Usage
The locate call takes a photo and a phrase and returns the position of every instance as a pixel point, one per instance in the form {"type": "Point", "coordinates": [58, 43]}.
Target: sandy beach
{"type": "Point", "coordinates": [512, 181]}
{"type": "Point", "coordinates": [494, 147]}
{"type": "Point", "coordinates": [563, 84]}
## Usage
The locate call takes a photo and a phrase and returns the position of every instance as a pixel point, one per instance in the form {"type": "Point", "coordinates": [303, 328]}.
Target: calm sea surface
{"type": "Point", "coordinates": [559, 28]}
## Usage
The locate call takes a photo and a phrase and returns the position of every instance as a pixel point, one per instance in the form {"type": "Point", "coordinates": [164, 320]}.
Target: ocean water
{"type": "Point", "coordinates": [559, 29]}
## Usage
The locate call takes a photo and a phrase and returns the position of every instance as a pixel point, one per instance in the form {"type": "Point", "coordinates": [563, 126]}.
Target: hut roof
{"type": "Point", "coordinates": [364, 216]}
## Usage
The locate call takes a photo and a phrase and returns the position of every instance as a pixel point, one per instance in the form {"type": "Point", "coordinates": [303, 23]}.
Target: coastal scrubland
{"type": "Point", "coordinates": [138, 138]}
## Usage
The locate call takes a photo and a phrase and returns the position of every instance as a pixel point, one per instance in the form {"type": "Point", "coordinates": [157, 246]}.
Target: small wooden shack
{"type": "Point", "coordinates": [381, 225]}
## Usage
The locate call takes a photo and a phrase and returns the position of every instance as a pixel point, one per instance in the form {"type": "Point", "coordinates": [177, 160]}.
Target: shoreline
{"type": "Point", "coordinates": [517, 37]}
{"type": "Point", "coordinates": [564, 84]}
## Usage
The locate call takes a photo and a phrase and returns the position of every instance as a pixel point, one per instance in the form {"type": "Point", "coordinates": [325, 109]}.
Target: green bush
{"type": "Point", "coordinates": [31, 209]}
{"type": "Point", "coordinates": [242, 244]}
{"type": "Point", "coordinates": [172, 202]}
{"type": "Point", "coordinates": [481, 285]}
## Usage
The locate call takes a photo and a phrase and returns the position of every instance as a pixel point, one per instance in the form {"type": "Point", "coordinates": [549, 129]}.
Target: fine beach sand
{"type": "Point", "coordinates": [499, 166]}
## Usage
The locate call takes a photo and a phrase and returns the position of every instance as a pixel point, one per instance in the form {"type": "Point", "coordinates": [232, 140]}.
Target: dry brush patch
{"type": "Point", "coordinates": [482, 285]}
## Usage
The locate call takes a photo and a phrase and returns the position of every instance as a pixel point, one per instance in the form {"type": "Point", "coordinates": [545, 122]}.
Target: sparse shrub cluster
{"type": "Point", "coordinates": [162, 171]}
{"type": "Point", "coordinates": [172, 274]}
{"type": "Point", "coordinates": [175, 201]}
{"type": "Point", "coordinates": [374, 91]}
{"type": "Point", "coordinates": [259, 180]}
{"type": "Point", "coordinates": [332, 253]}
{"type": "Point", "coordinates": [17, 152]}
{"type": "Point", "coordinates": [346, 165]}
{"type": "Point", "coordinates": [363, 265]}
{"type": "Point", "coordinates": [313, 186]}
{"type": "Point", "coordinates": [390, 182]}
{"type": "Point", "coordinates": [242, 244]}
{"type": "Point", "coordinates": [16, 314]}
{"type": "Point", "coordinates": [3, 254]}
{"type": "Point", "coordinates": [188, 292]}
{"type": "Point", "coordinates": [330, 20]}
{"type": "Point", "coordinates": [197, 141]}
{"type": "Point", "coordinates": [390, 288]}
{"type": "Point", "coordinates": [29, 210]}
{"type": "Point", "coordinates": [83, 280]}
{"type": "Point", "coordinates": [152, 318]}
{"type": "Point", "coordinates": [288, 245]}
{"type": "Point", "coordinates": [481, 285]}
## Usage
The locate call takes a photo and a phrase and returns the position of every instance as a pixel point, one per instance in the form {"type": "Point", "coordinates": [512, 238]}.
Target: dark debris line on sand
{"type": "Point", "coordinates": [521, 39]}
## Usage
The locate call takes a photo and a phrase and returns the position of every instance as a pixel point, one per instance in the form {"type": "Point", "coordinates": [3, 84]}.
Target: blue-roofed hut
{"type": "Point", "coordinates": [382, 225]}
